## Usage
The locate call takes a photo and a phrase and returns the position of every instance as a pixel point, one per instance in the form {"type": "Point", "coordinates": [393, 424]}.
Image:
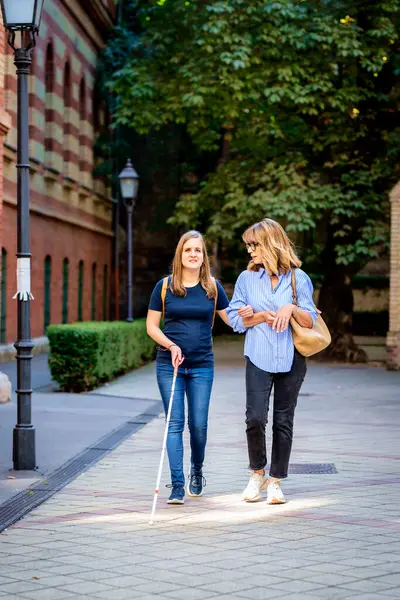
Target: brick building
{"type": "Point", "coordinates": [71, 211]}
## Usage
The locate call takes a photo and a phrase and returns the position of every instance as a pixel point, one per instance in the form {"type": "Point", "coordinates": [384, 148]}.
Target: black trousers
{"type": "Point", "coordinates": [258, 390]}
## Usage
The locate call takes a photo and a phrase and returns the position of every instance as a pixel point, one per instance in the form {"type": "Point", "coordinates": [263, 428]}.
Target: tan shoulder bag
{"type": "Point", "coordinates": [164, 293]}
{"type": "Point", "coordinates": [308, 341]}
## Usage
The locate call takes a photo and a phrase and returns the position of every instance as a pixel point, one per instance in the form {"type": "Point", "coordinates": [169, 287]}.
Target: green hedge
{"type": "Point", "coordinates": [86, 355]}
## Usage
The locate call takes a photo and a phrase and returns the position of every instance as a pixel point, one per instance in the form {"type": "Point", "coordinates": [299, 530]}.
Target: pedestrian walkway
{"type": "Point", "coordinates": [337, 537]}
{"type": "Point", "coordinates": [66, 424]}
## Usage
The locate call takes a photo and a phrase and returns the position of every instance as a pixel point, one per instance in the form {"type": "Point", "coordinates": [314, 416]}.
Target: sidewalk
{"type": "Point", "coordinates": [65, 424]}
{"type": "Point", "coordinates": [337, 537]}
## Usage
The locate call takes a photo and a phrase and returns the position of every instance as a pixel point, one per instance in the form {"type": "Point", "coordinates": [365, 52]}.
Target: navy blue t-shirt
{"type": "Point", "coordinates": [188, 323]}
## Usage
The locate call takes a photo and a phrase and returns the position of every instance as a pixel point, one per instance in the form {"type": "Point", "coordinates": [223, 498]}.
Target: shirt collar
{"type": "Point", "coordinates": [262, 271]}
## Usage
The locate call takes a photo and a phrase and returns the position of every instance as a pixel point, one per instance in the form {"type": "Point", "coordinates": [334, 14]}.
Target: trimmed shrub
{"type": "Point", "coordinates": [86, 355]}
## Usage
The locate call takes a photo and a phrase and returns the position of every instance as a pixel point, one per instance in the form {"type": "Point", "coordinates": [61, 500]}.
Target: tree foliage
{"type": "Point", "coordinates": [306, 95]}
{"type": "Point", "coordinates": [298, 99]}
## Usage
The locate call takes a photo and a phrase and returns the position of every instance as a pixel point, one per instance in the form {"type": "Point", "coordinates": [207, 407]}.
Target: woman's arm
{"type": "Point", "coordinates": [238, 302]}
{"type": "Point", "coordinates": [302, 316]}
{"type": "Point", "coordinates": [265, 316]}
{"type": "Point", "coordinates": [224, 316]}
{"type": "Point", "coordinates": [153, 330]}
{"type": "Point", "coordinates": [306, 312]}
{"type": "Point", "coordinates": [255, 319]}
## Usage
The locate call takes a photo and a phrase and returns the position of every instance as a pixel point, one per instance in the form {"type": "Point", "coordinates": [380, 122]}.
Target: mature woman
{"type": "Point", "coordinates": [190, 303]}
{"type": "Point", "coordinates": [261, 306]}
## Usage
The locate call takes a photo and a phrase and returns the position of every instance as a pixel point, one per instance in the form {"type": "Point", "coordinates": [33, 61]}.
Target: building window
{"type": "Point", "coordinates": [82, 129]}
{"type": "Point", "coordinates": [80, 290]}
{"type": "Point", "coordinates": [67, 115]}
{"type": "Point", "coordinates": [105, 292]}
{"type": "Point", "coordinates": [49, 117]}
{"type": "Point", "coordinates": [65, 291]}
{"type": "Point", "coordinates": [94, 269]}
{"type": "Point", "coordinates": [67, 85]}
{"type": "Point", "coordinates": [3, 298]}
{"type": "Point", "coordinates": [47, 292]}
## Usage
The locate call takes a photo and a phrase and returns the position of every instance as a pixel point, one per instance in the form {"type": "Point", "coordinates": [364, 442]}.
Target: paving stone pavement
{"type": "Point", "coordinates": [337, 536]}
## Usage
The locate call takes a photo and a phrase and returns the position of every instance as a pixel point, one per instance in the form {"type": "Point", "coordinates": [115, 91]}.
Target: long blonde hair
{"type": "Point", "coordinates": [277, 250]}
{"type": "Point", "coordinates": [207, 283]}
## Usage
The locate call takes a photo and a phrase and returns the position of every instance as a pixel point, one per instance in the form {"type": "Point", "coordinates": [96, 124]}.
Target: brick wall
{"type": "Point", "coordinates": [5, 123]}
{"type": "Point", "coordinates": [393, 337]}
{"type": "Point", "coordinates": [2, 36]}
{"type": "Point", "coordinates": [58, 240]}
{"type": "Point", "coordinates": [70, 210]}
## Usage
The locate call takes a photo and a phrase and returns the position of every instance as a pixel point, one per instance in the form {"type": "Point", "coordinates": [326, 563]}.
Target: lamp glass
{"type": "Point", "coordinates": [38, 13]}
{"type": "Point", "coordinates": [22, 14]}
{"type": "Point", "coordinates": [129, 186]}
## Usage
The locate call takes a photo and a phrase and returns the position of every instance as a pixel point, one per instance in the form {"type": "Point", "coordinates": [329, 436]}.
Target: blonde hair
{"type": "Point", "coordinates": [277, 251]}
{"type": "Point", "coordinates": [206, 281]}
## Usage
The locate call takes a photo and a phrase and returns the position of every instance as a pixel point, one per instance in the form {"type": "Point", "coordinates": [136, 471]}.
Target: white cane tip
{"type": "Point", "coordinates": [151, 522]}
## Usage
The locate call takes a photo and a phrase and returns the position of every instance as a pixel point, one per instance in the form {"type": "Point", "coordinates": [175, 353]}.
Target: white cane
{"type": "Point", "coordinates": [153, 511]}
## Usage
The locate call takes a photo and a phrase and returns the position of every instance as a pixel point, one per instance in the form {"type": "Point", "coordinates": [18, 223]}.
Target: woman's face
{"type": "Point", "coordinates": [254, 249]}
{"type": "Point", "coordinates": [193, 254]}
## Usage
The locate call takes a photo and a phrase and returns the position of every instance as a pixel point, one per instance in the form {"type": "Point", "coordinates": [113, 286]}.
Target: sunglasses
{"type": "Point", "coordinates": [252, 246]}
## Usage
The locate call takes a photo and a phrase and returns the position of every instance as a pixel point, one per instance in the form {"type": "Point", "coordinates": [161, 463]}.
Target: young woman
{"type": "Point", "coordinates": [262, 306]}
{"type": "Point", "coordinates": [191, 299]}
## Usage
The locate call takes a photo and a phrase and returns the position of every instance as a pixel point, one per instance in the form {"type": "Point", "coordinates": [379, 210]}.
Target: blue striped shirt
{"type": "Point", "coordinates": [265, 347]}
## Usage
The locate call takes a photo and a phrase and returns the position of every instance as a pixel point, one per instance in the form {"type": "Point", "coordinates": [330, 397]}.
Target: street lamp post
{"type": "Point", "coordinates": [129, 181]}
{"type": "Point", "coordinates": [23, 16]}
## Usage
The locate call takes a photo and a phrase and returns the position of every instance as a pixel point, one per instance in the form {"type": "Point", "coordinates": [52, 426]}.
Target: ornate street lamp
{"type": "Point", "coordinates": [129, 182]}
{"type": "Point", "coordinates": [23, 16]}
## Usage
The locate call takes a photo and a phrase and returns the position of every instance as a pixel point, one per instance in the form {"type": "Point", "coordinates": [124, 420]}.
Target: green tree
{"type": "Point", "coordinates": [297, 103]}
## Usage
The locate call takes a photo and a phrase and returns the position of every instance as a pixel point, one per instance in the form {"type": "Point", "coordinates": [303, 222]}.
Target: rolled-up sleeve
{"type": "Point", "coordinates": [238, 301]}
{"type": "Point", "coordinates": [305, 291]}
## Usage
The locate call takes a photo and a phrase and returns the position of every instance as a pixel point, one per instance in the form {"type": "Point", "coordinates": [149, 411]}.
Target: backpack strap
{"type": "Point", "coordinates": [164, 293]}
{"type": "Point", "coordinates": [215, 301]}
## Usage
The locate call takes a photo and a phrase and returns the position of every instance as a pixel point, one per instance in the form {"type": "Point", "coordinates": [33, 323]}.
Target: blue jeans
{"type": "Point", "coordinates": [197, 384]}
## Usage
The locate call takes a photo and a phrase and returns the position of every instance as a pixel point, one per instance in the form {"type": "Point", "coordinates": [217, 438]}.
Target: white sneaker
{"type": "Point", "coordinates": [275, 494]}
{"type": "Point", "coordinates": [256, 483]}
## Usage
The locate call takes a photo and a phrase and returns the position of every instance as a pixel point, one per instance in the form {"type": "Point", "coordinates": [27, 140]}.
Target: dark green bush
{"type": "Point", "coordinates": [85, 355]}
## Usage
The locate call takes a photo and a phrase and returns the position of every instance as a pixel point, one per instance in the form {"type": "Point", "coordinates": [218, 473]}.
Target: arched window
{"type": "Point", "coordinates": [96, 111]}
{"type": "Point", "coordinates": [94, 270]}
{"type": "Point", "coordinates": [65, 290]}
{"type": "Point", "coordinates": [67, 85]}
{"type": "Point", "coordinates": [49, 116]}
{"type": "Point", "coordinates": [105, 292]}
{"type": "Point", "coordinates": [3, 297]}
{"type": "Point", "coordinates": [80, 290]}
{"type": "Point", "coordinates": [47, 292]}
{"type": "Point", "coordinates": [67, 117]}
{"type": "Point", "coordinates": [82, 128]}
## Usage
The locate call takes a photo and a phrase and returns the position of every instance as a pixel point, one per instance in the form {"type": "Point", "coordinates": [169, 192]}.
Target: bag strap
{"type": "Point", "coordinates": [215, 301]}
{"type": "Point", "coordinates": [294, 289]}
{"type": "Point", "coordinates": [164, 293]}
{"type": "Point", "coordinates": [294, 293]}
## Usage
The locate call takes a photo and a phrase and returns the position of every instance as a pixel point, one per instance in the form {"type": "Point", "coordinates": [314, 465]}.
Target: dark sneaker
{"type": "Point", "coordinates": [177, 495]}
{"type": "Point", "coordinates": [196, 484]}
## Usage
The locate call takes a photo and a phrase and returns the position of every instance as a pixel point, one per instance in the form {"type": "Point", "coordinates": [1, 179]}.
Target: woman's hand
{"type": "Point", "coordinates": [177, 357]}
{"type": "Point", "coordinates": [246, 312]}
{"type": "Point", "coordinates": [282, 317]}
{"type": "Point", "coordinates": [269, 316]}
